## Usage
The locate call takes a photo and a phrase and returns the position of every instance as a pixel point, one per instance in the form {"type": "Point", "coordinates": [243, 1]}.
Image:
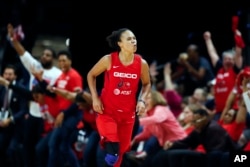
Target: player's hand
{"type": "Point", "coordinates": [98, 106]}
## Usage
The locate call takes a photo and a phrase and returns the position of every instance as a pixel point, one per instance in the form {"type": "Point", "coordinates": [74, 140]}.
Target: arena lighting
{"type": "Point", "coordinates": [67, 42]}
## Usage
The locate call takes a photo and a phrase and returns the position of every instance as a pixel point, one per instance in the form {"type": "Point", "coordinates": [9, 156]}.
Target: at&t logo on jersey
{"type": "Point", "coordinates": [123, 92]}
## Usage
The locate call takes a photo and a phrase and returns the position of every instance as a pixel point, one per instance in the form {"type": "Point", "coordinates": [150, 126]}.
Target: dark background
{"type": "Point", "coordinates": [163, 28]}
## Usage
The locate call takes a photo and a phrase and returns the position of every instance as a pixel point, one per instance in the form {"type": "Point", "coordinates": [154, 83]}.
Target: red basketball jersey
{"type": "Point", "coordinates": [121, 84]}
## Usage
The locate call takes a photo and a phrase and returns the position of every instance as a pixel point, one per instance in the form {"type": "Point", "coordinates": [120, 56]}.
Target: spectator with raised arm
{"type": "Point", "coordinates": [50, 73]}
{"type": "Point", "coordinates": [226, 70]}
{"type": "Point", "coordinates": [233, 119]}
{"type": "Point", "coordinates": [169, 89]}
{"type": "Point", "coordinates": [173, 98]}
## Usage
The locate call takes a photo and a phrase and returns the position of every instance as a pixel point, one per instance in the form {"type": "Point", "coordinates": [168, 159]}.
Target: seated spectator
{"type": "Point", "coordinates": [49, 110]}
{"type": "Point", "coordinates": [186, 120]}
{"type": "Point", "coordinates": [186, 117]}
{"type": "Point", "coordinates": [234, 122]}
{"type": "Point", "coordinates": [209, 133]}
{"type": "Point", "coordinates": [159, 122]}
{"type": "Point", "coordinates": [84, 101]}
{"type": "Point", "coordinates": [233, 118]}
{"type": "Point", "coordinates": [199, 98]}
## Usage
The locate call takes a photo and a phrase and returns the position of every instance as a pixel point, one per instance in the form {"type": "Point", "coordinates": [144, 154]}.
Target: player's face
{"type": "Point", "coordinates": [128, 42]}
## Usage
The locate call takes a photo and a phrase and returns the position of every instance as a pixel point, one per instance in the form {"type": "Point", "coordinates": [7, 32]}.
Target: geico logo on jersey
{"type": "Point", "coordinates": [125, 75]}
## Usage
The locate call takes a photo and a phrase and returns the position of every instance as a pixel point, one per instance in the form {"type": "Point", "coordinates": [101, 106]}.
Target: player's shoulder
{"type": "Point", "coordinates": [143, 60]}
{"type": "Point", "coordinates": [107, 57]}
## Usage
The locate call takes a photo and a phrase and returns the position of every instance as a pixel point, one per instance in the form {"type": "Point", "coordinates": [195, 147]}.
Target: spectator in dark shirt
{"type": "Point", "coordinates": [208, 133]}
{"type": "Point", "coordinates": [192, 70]}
